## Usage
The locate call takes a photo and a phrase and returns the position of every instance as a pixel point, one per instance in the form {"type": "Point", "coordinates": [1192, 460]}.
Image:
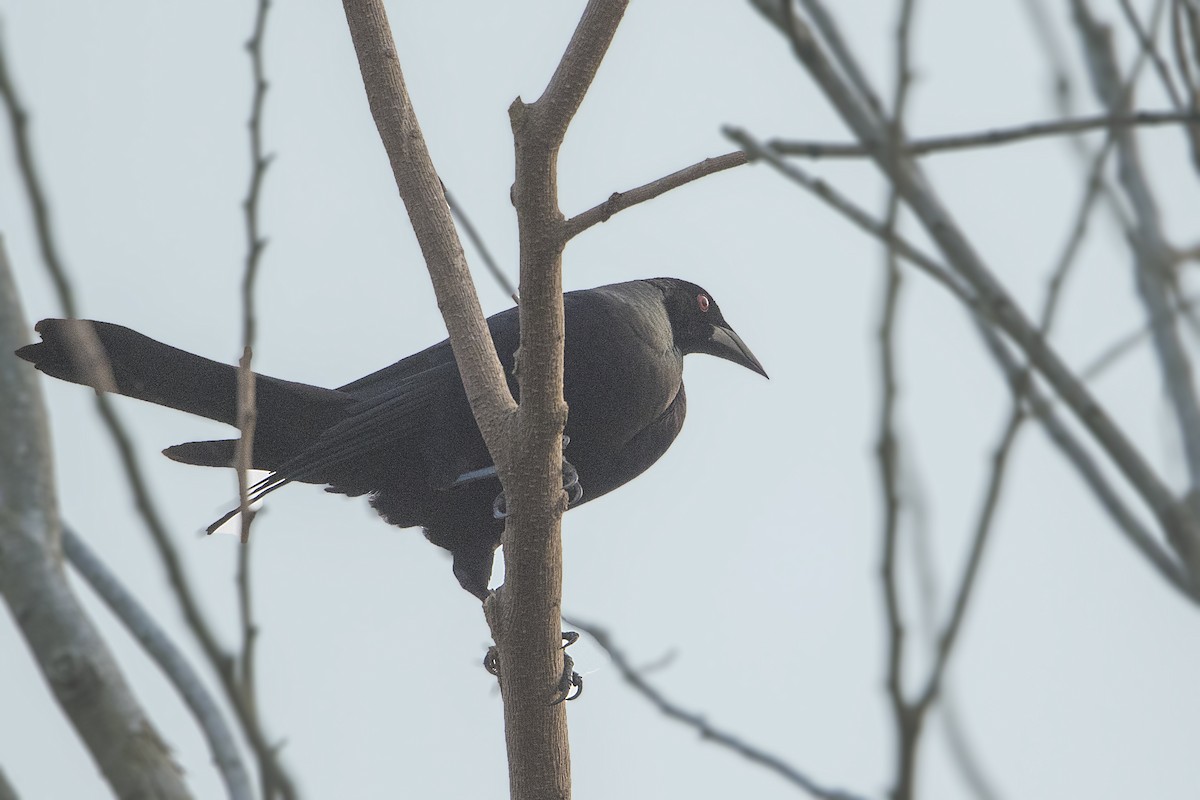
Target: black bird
{"type": "Point", "coordinates": [405, 435]}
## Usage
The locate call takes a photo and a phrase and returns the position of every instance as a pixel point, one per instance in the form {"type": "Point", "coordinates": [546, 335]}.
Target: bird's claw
{"type": "Point", "coordinates": [570, 484]}
{"type": "Point", "coordinates": [570, 680]}
{"type": "Point", "coordinates": [491, 661]}
{"type": "Point", "coordinates": [570, 685]}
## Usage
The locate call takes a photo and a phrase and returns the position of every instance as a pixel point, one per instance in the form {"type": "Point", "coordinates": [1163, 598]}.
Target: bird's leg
{"type": "Point", "coordinates": [570, 483]}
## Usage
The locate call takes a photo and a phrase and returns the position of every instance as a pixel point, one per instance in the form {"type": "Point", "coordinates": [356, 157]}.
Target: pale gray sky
{"type": "Point", "coordinates": [751, 549]}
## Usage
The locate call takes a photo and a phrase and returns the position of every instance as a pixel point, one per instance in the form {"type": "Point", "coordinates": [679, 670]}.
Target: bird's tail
{"type": "Point", "coordinates": [112, 358]}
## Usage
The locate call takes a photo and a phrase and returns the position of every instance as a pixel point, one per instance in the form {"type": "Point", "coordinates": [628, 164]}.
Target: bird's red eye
{"type": "Point", "coordinates": [702, 302]}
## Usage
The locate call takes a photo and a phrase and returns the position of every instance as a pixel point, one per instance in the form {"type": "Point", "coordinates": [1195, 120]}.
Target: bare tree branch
{"type": "Point", "coordinates": [1146, 39]}
{"type": "Point", "coordinates": [1178, 519]}
{"type": "Point", "coordinates": [826, 192]}
{"type": "Point", "coordinates": [619, 201]}
{"type": "Point", "coordinates": [171, 661]}
{"type": "Point", "coordinates": [706, 729]}
{"type": "Point", "coordinates": [181, 585]}
{"type": "Point", "coordinates": [7, 792]}
{"type": "Point", "coordinates": [1185, 31]}
{"type": "Point", "coordinates": [1125, 520]}
{"type": "Point", "coordinates": [906, 723]}
{"type": "Point", "coordinates": [247, 413]}
{"type": "Point", "coordinates": [18, 119]}
{"type": "Point", "coordinates": [997, 136]}
{"type": "Point", "coordinates": [1153, 263]}
{"type": "Point", "coordinates": [524, 613]}
{"type": "Point", "coordinates": [524, 441]}
{"type": "Point", "coordinates": [74, 660]}
{"type": "Point", "coordinates": [247, 402]}
{"type": "Point", "coordinates": [425, 200]}
{"type": "Point", "coordinates": [962, 752]}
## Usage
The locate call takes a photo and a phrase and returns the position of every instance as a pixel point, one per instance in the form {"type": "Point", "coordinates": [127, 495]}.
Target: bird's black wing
{"type": "Point", "coordinates": [389, 416]}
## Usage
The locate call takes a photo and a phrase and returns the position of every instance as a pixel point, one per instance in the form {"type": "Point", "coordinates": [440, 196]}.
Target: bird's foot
{"type": "Point", "coordinates": [570, 484]}
{"type": "Point", "coordinates": [570, 678]}
{"type": "Point", "coordinates": [491, 661]}
{"type": "Point", "coordinates": [570, 685]}
{"type": "Point", "coordinates": [571, 681]}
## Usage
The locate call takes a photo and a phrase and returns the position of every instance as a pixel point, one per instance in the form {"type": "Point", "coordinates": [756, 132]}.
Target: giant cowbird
{"type": "Point", "coordinates": [405, 435]}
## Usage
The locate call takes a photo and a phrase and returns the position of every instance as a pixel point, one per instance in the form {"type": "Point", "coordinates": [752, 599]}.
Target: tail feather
{"type": "Point", "coordinates": [289, 414]}
{"type": "Point", "coordinates": [218, 453]}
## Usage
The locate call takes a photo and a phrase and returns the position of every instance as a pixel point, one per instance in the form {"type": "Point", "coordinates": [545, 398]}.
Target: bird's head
{"type": "Point", "coordinates": [699, 326]}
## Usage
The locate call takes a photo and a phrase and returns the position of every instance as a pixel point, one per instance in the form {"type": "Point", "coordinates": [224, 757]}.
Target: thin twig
{"type": "Point", "coordinates": [247, 414]}
{"type": "Point", "coordinates": [906, 723]}
{"type": "Point", "coordinates": [492, 265]}
{"type": "Point", "coordinates": [1153, 263]}
{"type": "Point", "coordinates": [1113, 353]}
{"type": "Point", "coordinates": [1185, 22]}
{"type": "Point", "coordinates": [997, 136]}
{"type": "Point", "coordinates": [962, 752]}
{"type": "Point", "coordinates": [707, 730]}
{"type": "Point", "coordinates": [844, 57]}
{"type": "Point", "coordinates": [247, 404]}
{"type": "Point", "coordinates": [1150, 48]}
{"type": "Point", "coordinates": [154, 640]}
{"type": "Point", "coordinates": [1042, 408]}
{"type": "Point", "coordinates": [18, 119]}
{"type": "Point", "coordinates": [619, 201]}
{"type": "Point", "coordinates": [983, 527]}
{"type": "Point", "coordinates": [825, 191]}
{"type": "Point", "coordinates": [998, 307]}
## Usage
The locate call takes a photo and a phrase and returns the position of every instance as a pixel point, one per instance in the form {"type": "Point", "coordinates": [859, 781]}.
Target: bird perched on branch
{"type": "Point", "coordinates": [405, 435]}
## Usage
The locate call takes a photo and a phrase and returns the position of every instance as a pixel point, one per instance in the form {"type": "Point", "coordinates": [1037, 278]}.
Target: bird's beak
{"type": "Point", "coordinates": [725, 343]}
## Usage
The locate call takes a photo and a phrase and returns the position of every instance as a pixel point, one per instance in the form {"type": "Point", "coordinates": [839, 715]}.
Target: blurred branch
{"type": "Point", "coordinates": [707, 731]}
{"type": "Point", "coordinates": [1146, 40]}
{"type": "Point", "coordinates": [1185, 32]}
{"type": "Point", "coordinates": [1053, 48]}
{"type": "Point", "coordinates": [181, 586]}
{"type": "Point", "coordinates": [836, 200]}
{"type": "Point", "coordinates": [619, 201]}
{"type": "Point", "coordinates": [18, 119]}
{"type": "Point", "coordinates": [1122, 346]}
{"type": "Point", "coordinates": [154, 640]}
{"type": "Point", "coordinates": [1040, 407]}
{"type": "Point", "coordinates": [1153, 265]}
{"type": "Point", "coordinates": [995, 304]}
{"type": "Point", "coordinates": [855, 76]}
{"type": "Point", "coordinates": [996, 136]}
{"type": "Point", "coordinates": [73, 659]}
{"type": "Point", "coordinates": [7, 792]}
{"type": "Point", "coordinates": [962, 753]}
{"type": "Point", "coordinates": [906, 723]}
